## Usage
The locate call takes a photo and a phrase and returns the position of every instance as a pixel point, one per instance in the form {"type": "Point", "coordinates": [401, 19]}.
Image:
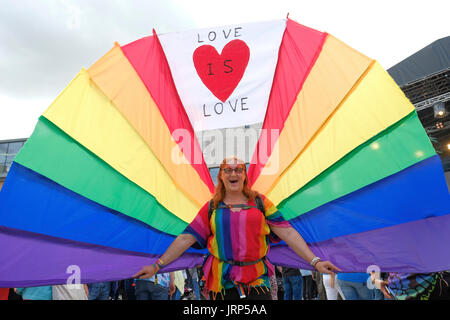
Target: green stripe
{"type": "Point", "coordinates": [55, 155]}
{"type": "Point", "coordinates": [394, 149]}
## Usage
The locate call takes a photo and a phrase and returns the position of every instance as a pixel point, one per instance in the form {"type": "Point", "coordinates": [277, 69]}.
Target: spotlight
{"type": "Point", "coordinates": [439, 110]}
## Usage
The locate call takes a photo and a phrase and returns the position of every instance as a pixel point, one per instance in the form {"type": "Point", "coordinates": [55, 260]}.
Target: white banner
{"type": "Point", "coordinates": [224, 75]}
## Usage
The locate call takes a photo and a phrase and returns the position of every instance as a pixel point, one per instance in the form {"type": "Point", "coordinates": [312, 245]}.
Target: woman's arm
{"type": "Point", "coordinates": [176, 249]}
{"type": "Point", "coordinates": [295, 241]}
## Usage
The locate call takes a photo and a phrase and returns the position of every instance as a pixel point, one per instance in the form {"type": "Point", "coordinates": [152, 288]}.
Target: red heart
{"type": "Point", "coordinates": [221, 73]}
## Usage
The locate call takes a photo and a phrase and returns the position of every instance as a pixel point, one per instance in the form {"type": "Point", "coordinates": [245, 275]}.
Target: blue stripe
{"type": "Point", "coordinates": [32, 202]}
{"type": "Point", "coordinates": [227, 242]}
{"type": "Point", "coordinates": [415, 193]}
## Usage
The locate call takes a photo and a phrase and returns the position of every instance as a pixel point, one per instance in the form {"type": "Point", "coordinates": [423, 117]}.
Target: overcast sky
{"type": "Point", "coordinates": [44, 44]}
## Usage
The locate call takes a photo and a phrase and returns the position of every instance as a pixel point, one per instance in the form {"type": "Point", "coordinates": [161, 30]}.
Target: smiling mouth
{"type": "Point", "coordinates": [233, 181]}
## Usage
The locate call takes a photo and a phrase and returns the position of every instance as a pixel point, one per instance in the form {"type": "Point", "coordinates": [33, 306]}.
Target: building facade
{"type": "Point", "coordinates": [8, 151]}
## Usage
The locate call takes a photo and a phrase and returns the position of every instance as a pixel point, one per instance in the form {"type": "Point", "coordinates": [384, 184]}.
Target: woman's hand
{"type": "Point", "coordinates": [176, 249]}
{"type": "Point", "coordinates": [145, 272]}
{"type": "Point", "coordinates": [326, 267]}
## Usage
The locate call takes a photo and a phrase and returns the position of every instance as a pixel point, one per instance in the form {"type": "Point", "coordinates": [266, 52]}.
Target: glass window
{"type": "Point", "coordinates": [10, 158]}
{"type": "Point", "coordinates": [8, 152]}
{"type": "Point", "coordinates": [3, 149]}
{"type": "Point", "coordinates": [4, 168]}
{"type": "Point", "coordinates": [14, 148]}
{"type": "Point", "coordinates": [213, 172]}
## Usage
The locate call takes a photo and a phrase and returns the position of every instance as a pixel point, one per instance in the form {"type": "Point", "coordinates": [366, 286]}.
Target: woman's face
{"type": "Point", "coordinates": [233, 177]}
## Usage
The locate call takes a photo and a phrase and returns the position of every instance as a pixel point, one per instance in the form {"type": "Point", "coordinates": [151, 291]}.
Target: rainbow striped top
{"type": "Point", "coordinates": [240, 235]}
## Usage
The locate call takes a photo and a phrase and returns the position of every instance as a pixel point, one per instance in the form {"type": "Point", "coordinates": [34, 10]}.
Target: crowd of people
{"type": "Point", "coordinates": [286, 284]}
{"type": "Point", "coordinates": [183, 284]}
{"type": "Point", "coordinates": [290, 284]}
{"type": "Point", "coordinates": [237, 226]}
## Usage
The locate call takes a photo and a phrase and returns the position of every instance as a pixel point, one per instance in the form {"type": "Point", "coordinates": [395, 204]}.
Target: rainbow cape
{"type": "Point", "coordinates": [96, 187]}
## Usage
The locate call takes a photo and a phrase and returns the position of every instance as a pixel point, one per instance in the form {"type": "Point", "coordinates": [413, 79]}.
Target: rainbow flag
{"type": "Point", "coordinates": [96, 188]}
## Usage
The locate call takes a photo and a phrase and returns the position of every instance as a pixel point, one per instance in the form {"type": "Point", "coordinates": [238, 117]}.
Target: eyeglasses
{"type": "Point", "coordinates": [237, 170]}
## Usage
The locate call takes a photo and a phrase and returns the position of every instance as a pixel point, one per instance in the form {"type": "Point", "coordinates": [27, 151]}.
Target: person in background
{"type": "Point", "coordinates": [35, 293]}
{"type": "Point", "coordinates": [99, 290]}
{"type": "Point", "coordinates": [192, 280]}
{"type": "Point", "coordinates": [273, 286]}
{"type": "Point", "coordinates": [158, 287]}
{"type": "Point", "coordinates": [292, 283]}
{"type": "Point", "coordinates": [129, 289]}
{"type": "Point", "coordinates": [118, 290]}
{"type": "Point", "coordinates": [309, 285]}
{"type": "Point", "coordinates": [70, 292]}
{"type": "Point", "coordinates": [318, 279]}
{"type": "Point", "coordinates": [280, 285]}
{"type": "Point", "coordinates": [179, 281]}
{"type": "Point", "coordinates": [414, 286]}
{"type": "Point", "coordinates": [332, 288]}
{"type": "Point", "coordinates": [13, 295]}
{"type": "Point", "coordinates": [354, 286]}
{"type": "Point", "coordinates": [237, 270]}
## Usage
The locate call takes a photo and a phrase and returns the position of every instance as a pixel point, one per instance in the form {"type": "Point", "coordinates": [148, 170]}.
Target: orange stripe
{"type": "Point", "coordinates": [334, 74]}
{"type": "Point", "coordinates": [118, 80]}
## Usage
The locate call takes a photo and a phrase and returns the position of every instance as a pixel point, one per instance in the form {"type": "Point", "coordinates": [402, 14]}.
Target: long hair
{"type": "Point", "coordinates": [219, 193]}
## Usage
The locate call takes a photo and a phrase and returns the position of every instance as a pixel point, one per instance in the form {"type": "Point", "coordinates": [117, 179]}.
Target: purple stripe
{"type": "Point", "coordinates": [234, 234]}
{"type": "Point", "coordinates": [226, 234]}
{"type": "Point", "coordinates": [31, 259]}
{"type": "Point", "coordinates": [414, 247]}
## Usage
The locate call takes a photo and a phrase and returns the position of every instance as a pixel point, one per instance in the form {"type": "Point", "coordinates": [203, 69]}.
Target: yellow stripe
{"type": "Point", "coordinates": [269, 207]}
{"type": "Point", "coordinates": [375, 104]}
{"type": "Point", "coordinates": [84, 113]}
{"type": "Point", "coordinates": [271, 210]}
{"type": "Point", "coordinates": [214, 247]}
{"type": "Point", "coordinates": [216, 274]}
{"type": "Point", "coordinates": [335, 72]}
{"type": "Point", "coordinates": [117, 78]}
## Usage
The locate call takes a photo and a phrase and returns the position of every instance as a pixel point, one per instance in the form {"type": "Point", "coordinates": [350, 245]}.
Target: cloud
{"type": "Point", "coordinates": [46, 43]}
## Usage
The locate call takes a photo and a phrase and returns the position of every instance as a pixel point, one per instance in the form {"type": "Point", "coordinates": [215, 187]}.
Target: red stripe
{"type": "Point", "coordinates": [148, 59]}
{"type": "Point", "coordinates": [298, 52]}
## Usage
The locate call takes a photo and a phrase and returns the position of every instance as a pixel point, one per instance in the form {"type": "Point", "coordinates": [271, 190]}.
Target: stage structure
{"type": "Point", "coordinates": [424, 77]}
